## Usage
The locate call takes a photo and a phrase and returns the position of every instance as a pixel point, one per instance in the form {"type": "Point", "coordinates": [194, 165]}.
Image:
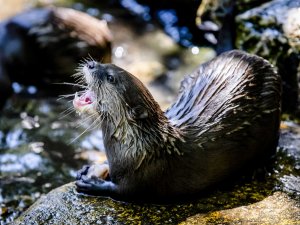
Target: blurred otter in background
{"type": "Point", "coordinates": [43, 46]}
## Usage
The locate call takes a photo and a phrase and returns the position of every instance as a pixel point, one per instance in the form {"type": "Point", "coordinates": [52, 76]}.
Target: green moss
{"type": "Point", "coordinates": [290, 117]}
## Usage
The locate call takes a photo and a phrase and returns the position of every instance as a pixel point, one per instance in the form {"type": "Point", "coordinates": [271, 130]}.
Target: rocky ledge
{"type": "Point", "coordinates": [65, 206]}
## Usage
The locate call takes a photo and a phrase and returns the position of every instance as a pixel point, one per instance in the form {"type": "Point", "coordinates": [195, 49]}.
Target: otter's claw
{"type": "Point", "coordinates": [86, 184]}
{"type": "Point", "coordinates": [83, 171]}
{"type": "Point", "coordinates": [95, 186]}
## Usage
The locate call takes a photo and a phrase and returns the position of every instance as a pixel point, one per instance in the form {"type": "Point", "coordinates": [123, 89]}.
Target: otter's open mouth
{"type": "Point", "coordinates": [85, 103]}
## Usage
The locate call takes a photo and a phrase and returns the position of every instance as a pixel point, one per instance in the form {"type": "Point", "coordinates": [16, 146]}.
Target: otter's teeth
{"type": "Point", "coordinates": [84, 103]}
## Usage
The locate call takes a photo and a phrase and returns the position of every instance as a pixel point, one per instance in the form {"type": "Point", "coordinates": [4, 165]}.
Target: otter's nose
{"type": "Point", "coordinates": [91, 65]}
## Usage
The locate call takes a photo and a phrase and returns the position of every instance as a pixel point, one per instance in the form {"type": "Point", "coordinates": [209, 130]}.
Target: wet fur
{"type": "Point", "coordinates": [226, 119]}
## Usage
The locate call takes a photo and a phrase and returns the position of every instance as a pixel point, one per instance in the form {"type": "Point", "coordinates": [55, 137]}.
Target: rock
{"type": "Point", "coordinates": [43, 46]}
{"type": "Point", "coordinates": [65, 206]}
{"type": "Point", "coordinates": [244, 5]}
{"type": "Point", "coordinates": [272, 31]}
{"type": "Point", "coordinates": [14, 7]}
{"type": "Point", "coordinates": [275, 209]}
{"type": "Point", "coordinates": [291, 28]}
{"type": "Point", "coordinates": [216, 20]}
{"type": "Point", "coordinates": [38, 152]}
{"type": "Point", "coordinates": [172, 16]}
{"type": "Point", "coordinates": [250, 201]}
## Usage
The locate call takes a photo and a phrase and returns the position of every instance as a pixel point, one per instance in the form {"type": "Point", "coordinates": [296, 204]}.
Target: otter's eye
{"type": "Point", "coordinates": [110, 79]}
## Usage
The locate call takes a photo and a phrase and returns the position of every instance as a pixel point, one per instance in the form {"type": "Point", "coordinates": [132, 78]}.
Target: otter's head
{"type": "Point", "coordinates": [113, 92]}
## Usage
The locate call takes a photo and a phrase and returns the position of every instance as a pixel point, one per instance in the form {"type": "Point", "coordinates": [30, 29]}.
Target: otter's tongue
{"type": "Point", "coordinates": [84, 102]}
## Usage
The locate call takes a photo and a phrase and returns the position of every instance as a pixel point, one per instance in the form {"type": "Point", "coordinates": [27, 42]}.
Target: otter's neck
{"type": "Point", "coordinates": [151, 137]}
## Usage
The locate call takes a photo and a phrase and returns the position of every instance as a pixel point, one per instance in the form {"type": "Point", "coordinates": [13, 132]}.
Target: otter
{"type": "Point", "coordinates": [225, 120]}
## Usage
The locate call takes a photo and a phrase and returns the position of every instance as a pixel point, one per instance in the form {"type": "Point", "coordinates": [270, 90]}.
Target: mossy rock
{"type": "Point", "coordinates": [271, 31]}
{"type": "Point", "coordinates": [275, 209]}
{"type": "Point", "coordinates": [65, 206]}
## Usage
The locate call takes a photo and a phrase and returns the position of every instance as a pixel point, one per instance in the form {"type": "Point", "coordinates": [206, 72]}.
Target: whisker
{"type": "Point", "coordinates": [86, 130]}
{"type": "Point", "coordinates": [66, 96]}
{"type": "Point", "coordinates": [86, 60]}
{"type": "Point", "coordinates": [77, 74]}
{"type": "Point", "coordinates": [67, 113]}
{"type": "Point", "coordinates": [87, 118]}
{"type": "Point", "coordinates": [91, 58]}
{"type": "Point", "coordinates": [61, 97]}
{"type": "Point", "coordinates": [81, 60]}
{"type": "Point", "coordinates": [80, 80]}
{"type": "Point", "coordinates": [67, 110]}
{"type": "Point", "coordinates": [72, 84]}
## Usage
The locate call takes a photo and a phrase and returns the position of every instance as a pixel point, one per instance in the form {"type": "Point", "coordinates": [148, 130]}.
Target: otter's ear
{"type": "Point", "coordinates": [139, 112]}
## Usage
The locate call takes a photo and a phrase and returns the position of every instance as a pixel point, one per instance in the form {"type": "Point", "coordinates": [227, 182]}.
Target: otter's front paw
{"type": "Point", "coordinates": [95, 186]}
{"type": "Point", "coordinates": [88, 184]}
{"type": "Point", "coordinates": [83, 171]}
{"type": "Point", "coordinates": [97, 170]}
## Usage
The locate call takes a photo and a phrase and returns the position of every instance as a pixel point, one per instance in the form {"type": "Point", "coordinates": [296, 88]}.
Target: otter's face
{"type": "Point", "coordinates": [111, 90]}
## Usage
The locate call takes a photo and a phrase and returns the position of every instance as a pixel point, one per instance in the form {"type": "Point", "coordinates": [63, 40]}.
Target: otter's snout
{"type": "Point", "coordinates": [94, 68]}
{"type": "Point", "coordinates": [91, 65]}
{"type": "Point", "coordinates": [97, 73]}
{"type": "Point", "coordinates": [92, 71]}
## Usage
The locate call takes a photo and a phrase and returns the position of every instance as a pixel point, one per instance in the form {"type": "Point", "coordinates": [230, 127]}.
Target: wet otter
{"type": "Point", "coordinates": [226, 119]}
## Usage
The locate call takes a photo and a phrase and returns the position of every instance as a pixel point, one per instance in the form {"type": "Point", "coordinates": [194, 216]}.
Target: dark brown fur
{"type": "Point", "coordinates": [226, 119]}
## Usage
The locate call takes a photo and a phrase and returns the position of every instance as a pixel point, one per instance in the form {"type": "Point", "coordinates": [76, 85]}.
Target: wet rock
{"type": "Point", "coordinates": [291, 28]}
{"type": "Point", "coordinates": [275, 209]}
{"type": "Point", "coordinates": [208, 22]}
{"type": "Point", "coordinates": [43, 46]}
{"type": "Point", "coordinates": [65, 206]}
{"type": "Point", "coordinates": [270, 196]}
{"type": "Point", "coordinates": [244, 5]}
{"type": "Point", "coordinates": [216, 20]}
{"type": "Point", "coordinates": [36, 154]}
{"type": "Point", "coordinates": [271, 31]}
{"type": "Point", "coordinates": [172, 16]}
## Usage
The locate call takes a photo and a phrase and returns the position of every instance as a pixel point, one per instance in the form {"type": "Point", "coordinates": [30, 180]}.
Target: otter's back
{"type": "Point", "coordinates": [226, 95]}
